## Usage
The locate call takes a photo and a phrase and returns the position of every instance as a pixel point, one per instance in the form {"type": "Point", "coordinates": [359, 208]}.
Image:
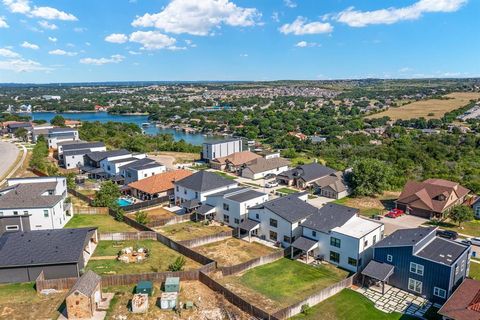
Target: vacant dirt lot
{"type": "Point", "coordinates": [171, 159]}
{"type": "Point", "coordinates": [234, 251]}
{"type": "Point", "coordinates": [191, 230]}
{"type": "Point", "coordinates": [369, 206]}
{"type": "Point", "coordinates": [426, 108]}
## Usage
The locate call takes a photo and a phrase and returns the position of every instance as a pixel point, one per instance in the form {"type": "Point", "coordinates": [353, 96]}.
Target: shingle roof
{"type": "Point", "coordinates": [55, 130]}
{"type": "Point", "coordinates": [204, 181]}
{"type": "Point", "coordinates": [238, 158]}
{"type": "Point", "coordinates": [160, 182]}
{"type": "Point", "coordinates": [43, 247]}
{"type": "Point", "coordinates": [86, 284]}
{"type": "Point", "coordinates": [29, 195]}
{"type": "Point", "coordinates": [405, 237]}
{"type": "Point", "coordinates": [330, 216]}
{"type": "Point", "coordinates": [76, 152]}
{"type": "Point", "coordinates": [100, 155]}
{"type": "Point", "coordinates": [240, 194]}
{"type": "Point", "coordinates": [82, 145]}
{"type": "Point", "coordinates": [204, 209]}
{"type": "Point", "coordinates": [378, 270]}
{"type": "Point", "coordinates": [262, 164]}
{"type": "Point", "coordinates": [290, 208]}
{"type": "Point", "coordinates": [464, 304]}
{"type": "Point", "coordinates": [304, 244]}
{"type": "Point", "coordinates": [442, 250]}
{"type": "Point", "coordinates": [308, 172]}
{"type": "Point", "coordinates": [140, 164]}
{"type": "Point", "coordinates": [334, 181]}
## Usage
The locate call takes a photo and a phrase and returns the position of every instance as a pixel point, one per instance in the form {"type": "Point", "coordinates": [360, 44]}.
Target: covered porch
{"type": "Point", "coordinates": [303, 248]}
{"type": "Point", "coordinates": [248, 228]}
{"type": "Point", "coordinates": [205, 212]}
{"type": "Point", "coordinates": [376, 275]}
{"type": "Point", "coordinates": [190, 205]}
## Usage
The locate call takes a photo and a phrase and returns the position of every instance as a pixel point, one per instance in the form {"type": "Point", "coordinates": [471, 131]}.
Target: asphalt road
{"type": "Point", "coordinates": [8, 155]}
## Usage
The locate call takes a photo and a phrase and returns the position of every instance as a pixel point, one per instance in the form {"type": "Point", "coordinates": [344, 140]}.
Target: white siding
{"type": "Point", "coordinates": [221, 149]}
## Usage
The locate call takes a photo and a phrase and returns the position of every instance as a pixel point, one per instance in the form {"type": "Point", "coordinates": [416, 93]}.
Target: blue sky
{"type": "Point", "coordinates": [123, 40]}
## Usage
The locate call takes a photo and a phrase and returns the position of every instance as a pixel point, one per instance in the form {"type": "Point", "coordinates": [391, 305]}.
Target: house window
{"type": "Point", "coordinates": [11, 228]}
{"type": "Point", "coordinates": [1, 213]}
{"type": "Point", "coordinates": [365, 243]}
{"type": "Point", "coordinates": [414, 285]}
{"type": "Point", "coordinates": [226, 207]}
{"type": "Point", "coordinates": [15, 213]}
{"type": "Point", "coordinates": [25, 212]}
{"type": "Point", "coordinates": [352, 262]}
{"type": "Point", "coordinates": [273, 235]}
{"type": "Point", "coordinates": [237, 221]}
{"type": "Point", "coordinates": [439, 292]}
{"type": "Point", "coordinates": [196, 194]}
{"type": "Point", "coordinates": [257, 216]}
{"type": "Point", "coordinates": [334, 257]}
{"type": "Point", "coordinates": [45, 213]}
{"type": "Point", "coordinates": [416, 268]}
{"type": "Point", "coordinates": [314, 233]}
{"type": "Point", "coordinates": [286, 239]}
{"type": "Point", "coordinates": [273, 223]}
{"type": "Point", "coordinates": [226, 218]}
{"type": "Point", "coordinates": [389, 258]}
{"type": "Point", "coordinates": [185, 191]}
{"type": "Point", "coordinates": [374, 239]}
{"type": "Point", "coordinates": [178, 189]}
{"type": "Point", "coordinates": [335, 242]}
{"type": "Point", "coordinates": [462, 266]}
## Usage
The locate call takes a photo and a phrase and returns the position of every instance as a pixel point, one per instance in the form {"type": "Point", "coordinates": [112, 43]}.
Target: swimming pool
{"type": "Point", "coordinates": [124, 202]}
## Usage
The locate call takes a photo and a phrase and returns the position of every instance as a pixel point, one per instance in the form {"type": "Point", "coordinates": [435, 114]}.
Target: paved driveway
{"type": "Point", "coordinates": [9, 153]}
{"type": "Point", "coordinates": [403, 222]}
{"type": "Point", "coordinates": [320, 201]}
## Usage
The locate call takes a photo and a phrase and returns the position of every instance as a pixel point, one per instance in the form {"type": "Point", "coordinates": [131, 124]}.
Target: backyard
{"type": "Point", "coordinates": [156, 213]}
{"type": "Point", "coordinates": [233, 251]}
{"type": "Point", "coordinates": [21, 301]}
{"type": "Point", "coordinates": [475, 269]}
{"type": "Point", "coordinates": [286, 191]}
{"type": "Point", "coordinates": [104, 223]}
{"type": "Point", "coordinates": [283, 282]}
{"type": "Point", "coordinates": [191, 230]}
{"type": "Point", "coordinates": [369, 206]}
{"type": "Point", "coordinates": [104, 259]}
{"type": "Point", "coordinates": [471, 228]}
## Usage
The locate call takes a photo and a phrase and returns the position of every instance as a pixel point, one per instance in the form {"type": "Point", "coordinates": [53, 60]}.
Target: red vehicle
{"type": "Point", "coordinates": [395, 213]}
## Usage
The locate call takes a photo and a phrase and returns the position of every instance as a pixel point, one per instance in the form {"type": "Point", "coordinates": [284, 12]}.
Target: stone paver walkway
{"type": "Point", "coordinates": [396, 300]}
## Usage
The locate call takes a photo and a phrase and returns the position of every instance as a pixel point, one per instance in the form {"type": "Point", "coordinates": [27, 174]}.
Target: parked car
{"type": "Point", "coordinates": [448, 234]}
{"type": "Point", "coordinates": [270, 176]}
{"type": "Point", "coordinates": [394, 213]}
{"type": "Point", "coordinates": [474, 241]}
{"type": "Point", "coordinates": [271, 184]}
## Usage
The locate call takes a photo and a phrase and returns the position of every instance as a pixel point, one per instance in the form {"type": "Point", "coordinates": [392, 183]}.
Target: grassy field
{"type": "Point", "coordinates": [284, 282]}
{"type": "Point", "coordinates": [156, 213]}
{"type": "Point", "coordinates": [233, 251]}
{"type": "Point", "coordinates": [160, 257]}
{"type": "Point", "coordinates": [224, 175]}
{"type": "Point", "coordinates": [429, 109]}
{"type": "Point", "coordinates": [348, 305]}
{"type": "Point", "coordinates": [474, 270]}
{"type": "Point", "coordinates": [104, 223]}
{"type": "Point", "coordinates": [191, 230]}
{"type": "Point", "coordinates": [369, 206]}
{"type": "Point", "coordinates": [286, 190]}
{"type": "Point", "coordinates": [471, 228]}
{"type": "Point", "coordinates": [21, 301]}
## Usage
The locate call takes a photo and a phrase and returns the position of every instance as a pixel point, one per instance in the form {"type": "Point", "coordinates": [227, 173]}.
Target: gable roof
{"type": "Point", "coordinates": [140, 164]}
{"type": "Point", "coordinates": [43, 247]}
{"type": "Point", "coordinates": [82, 145]}
{"type": "Point", "coordinates": [238, 158]}
{"type": "Point", "coordinates": [334, 181]}
{"type": "Point", "coordinates": [100, 155]}
{"type": "Point", "coordinates": [308, 172]}
{"type": "Point", "coordinates": [29, 195]}
{"type": "Point", "coordinates": [160, 182]}
{"type": "Point", "coordinates": [330, 216]}
{"type": "Point", "coordinates": [291, 207]}
{"type": "Point", "coordinates": [86, 284]}
{"type": "Point", "coordinates": [405, 237]}
{"type": "Point", "coordinates": [464, 303]}
{"type": "Point", "coordinates": [204, 181]}
{"type": "Point", "coordinates": [261, 164]}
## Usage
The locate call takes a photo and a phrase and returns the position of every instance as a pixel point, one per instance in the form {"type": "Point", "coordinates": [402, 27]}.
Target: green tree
{"type": "Point", "coordinates": [118, 212]}
{"type": "Point", "coordinates": [370, 177]}
{"type": "Point", "coordinates": [178, 264]}
{"type": "Point", "coordinates": [461, 214]}
{"type": "Point", "coordinates": [58, 120]}
{"type": "Point", "coordinates": [22, 134]}
{"type": "Point", "coordinates": [142, 217]}
{"type": "Point", "coordinates": [107, 195]}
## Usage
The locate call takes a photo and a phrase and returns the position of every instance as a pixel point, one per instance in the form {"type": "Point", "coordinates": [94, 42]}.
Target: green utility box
{"type": "Point", "coordinates": [144, 287]}
{"type": "Point", "coordinates": [172, 284]}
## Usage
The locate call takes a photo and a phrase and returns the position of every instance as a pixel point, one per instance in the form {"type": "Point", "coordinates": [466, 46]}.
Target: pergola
{"type": "Point", "coordinates": [305, 245]}
{"type": "Point", "coordinates": [378, 271]}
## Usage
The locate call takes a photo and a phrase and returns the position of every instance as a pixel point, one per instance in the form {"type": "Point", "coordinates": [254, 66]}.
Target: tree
{"type": "Point", "coordinates": [460, 214]}
{"type": "Point", "coordinates": [58, 121]}
{"type": "Point", "coordinates": [22, 134]}
{"type": "Point", "coordinates": [178, 264]}
{"type": "Point", "coordinates": [107, 195]}
{"type": "Point", "coordinates": [142, 217]}
{"type": "Point", "coordinates": [370, 177]}
{"type": "Point", "coordinates": [118, 212]}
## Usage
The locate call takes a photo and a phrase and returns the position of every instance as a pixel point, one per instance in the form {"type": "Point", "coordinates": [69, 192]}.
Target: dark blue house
{"type": "Point", "coordinates": [417, 261]}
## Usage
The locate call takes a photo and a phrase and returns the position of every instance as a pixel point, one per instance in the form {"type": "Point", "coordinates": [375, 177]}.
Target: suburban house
{"type": "Point", "coordinates": [34, 204]}
{"type": "Point", "coordinates": [84, 297]}
{"type": "Point", "coordinates": [61, 253]}
{"type": "Point", "coordinates": [72, 154]}
{"type": "Point", "coordinates": [56, 135]}
{"type": "Point", "coordinates": [464, 303]}
{"type": "Point", "coordinates": [93, 162]}
{"type": "Point", "coordinates": [14, 126]}
{"type": "Point", "coordinates": [327, 181]}
{"type": "Point", "coordinates": [418, 261]}
{"type": "Point", "coordinates": [476, 208]}
{"type": "Point", "coordinates": [431, 198]}
{"type": "Point", "coordinates": [158, 185]}
{"type": "Point", "coordinates": [278, 220]}
{"type": "Point", "coordinates": [112, 165]}
{"type": "Point", "coordinates": [338, 235]}
{"type": "Point", "coordinates": [230, 206]}
{"type": "Point", "coordinates": [261, 167]}
{"type": "Point", "coordinates": [141, 169]}
{"type": "Point", "coordinates": [40, 130]}
{"type": "Point", "coordinates": [213, 150]}
{"type": "Point", "coordinates": [234, 162]}
{"type": "Point", "coordinates": [194, 189]}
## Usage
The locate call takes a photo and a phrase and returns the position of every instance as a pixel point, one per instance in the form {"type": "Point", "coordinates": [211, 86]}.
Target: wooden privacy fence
{"type": "Point", "coordinates": [130, 279]}
{"type": "Point", "coordinates": [227, 271]}
{"type": "Point", "coordinates": [315, 298]}
{"type": "Point", "coordinates": [125, 236]}
{"type": "Point", "coordinates": [80, 196]}
{"type": "Point", "coordinates": [146, 204]}
{"type": "Point", "coordinates": [153, 223]}
{"type": "Point", "coordinates": [57, 284]}
{"type": "Point", "coordinates": [186, 251]}
{"type": "Point", "coordinates": [90, 210]}
{"type": "Point", "coordinates": [206, 239]}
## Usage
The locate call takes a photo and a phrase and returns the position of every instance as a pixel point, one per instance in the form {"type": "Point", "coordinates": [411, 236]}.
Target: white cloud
{"type": "Point", "coordinates": [17, 6]}
{"type": "Point", "coordinates": [198, 17]}
{"type": "Point", "coordinates": [116, 38]}
{"type": "Point", "coordinates": [134, 53]}
{"type": "Point", "coordinates": [190, 43]}
{"type": "Point", "coordinates": [7, 53]}
{"type": "Point", "coordinates": [356, 18]}
{"type": "Point", "coordinates": [60, 52]}
{"type": "Point", "coordinates": [88, 44]}
{"type": "Point", "coordinates": [22, 65]}
{"type": "Point", "coordinates": [79, 29]}
{"type": "Point", "coordinates": [52, 39]}
{"type": "Point", "coordinates": [29, 45]}
{"type": "Point", "coordinates": [47, 25]}
{"type": "Point", "coordinates": [116, 58]}
{"type": "Point", "coordinates": [305, 44]}
{"type": "Point", "coordinates": [300, 27]}
{"type": "Point", "coordinates": [3, 23]}
{"type": "Point", "coordinates": [244, 55]}
{"type": "Point", "coordinates": [275, 16]}
{"type": "Point", "coordinates": [152, 40]}
{"type": "Point", "coordinates": [50, 13]}
{"type": "Point", "coordinates": [289, 3]}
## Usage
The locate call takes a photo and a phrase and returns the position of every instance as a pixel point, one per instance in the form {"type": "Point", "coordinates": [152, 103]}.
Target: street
{"type": "Point", "coordinates": [8, 156]}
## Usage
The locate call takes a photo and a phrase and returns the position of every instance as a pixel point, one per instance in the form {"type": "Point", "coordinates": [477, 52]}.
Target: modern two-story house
{"type": "Point", "coordinates": [57, 135]}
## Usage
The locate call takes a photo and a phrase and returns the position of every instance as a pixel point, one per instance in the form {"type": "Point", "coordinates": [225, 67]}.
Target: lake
{"type": "Point", "coordinates": [195, 138]}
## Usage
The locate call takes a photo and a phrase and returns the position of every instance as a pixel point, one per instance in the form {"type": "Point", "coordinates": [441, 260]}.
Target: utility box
{"type": "Point", "coordinates": [168, 300]}
{"type": "Point", "coordinates": [145, 287]}
{"type": "Point", "coordinates": [172, 284]}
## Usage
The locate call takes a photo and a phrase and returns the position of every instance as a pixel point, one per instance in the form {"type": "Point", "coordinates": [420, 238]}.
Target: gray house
{"type": "Point", "coordinates": [59, 253]}
{"type": "Point", "coordinates": [476, 208]}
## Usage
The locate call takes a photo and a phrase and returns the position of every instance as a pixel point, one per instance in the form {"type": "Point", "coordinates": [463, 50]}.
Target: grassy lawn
{"type": "Point", "coordinates": [348, 305]}
{"type": "Point", "coordinates": [287, 190]}
{"type": "Point", "coordinates": [160, 257]}
{"type": "Point", "coordinates": [369, 206]}
{"type": "Point", "coordinates": [21, 301]}
{"type": "Point", "coordinates": [224, 175]}
{"type": "Point", "coordinates": [104, 222]}
{"type": "Point", "coordinates": [471, 228]}
{"type": "Point", "coordinates": [233, 251]}
{"type": "Point", "coordinates": [474, 270]}
{"type": "Point", "coordinates": [300, 160]}
{"type": "Point", "coordinates": [191, 230]}
{"type": "Point", "coordinates": [284, 282]}
{"type": "Point", "coordinates": [88, 192]}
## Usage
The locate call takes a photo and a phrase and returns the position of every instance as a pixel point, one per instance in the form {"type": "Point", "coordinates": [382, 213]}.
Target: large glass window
{"type": "Point", "coordinates": [414, 285]}
{"type": "Point", "coordinates": [352, 261]}
{"type": "Point", "coordinates": [335, 242]}
{"type": "Point", "coordinates": [334, 257]}
{"type": "Point", "coordinates": [273, 223]}
{"type": "Point", "coordinates": [416, 268]}
{"type": "Point", "coordinates": [273, 236]}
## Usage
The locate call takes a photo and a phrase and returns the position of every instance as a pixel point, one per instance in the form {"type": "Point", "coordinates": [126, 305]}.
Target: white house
{"type": "Point", "coordinates": [34, 204]}
{"type": "Point", "coordinates": [213, 150]}
{"type": "Point", "coordinates": [261, 167]}
{"type": "Point", "coordinates": [337, 234]}
{"type": "Point", "coordinates": [72, 154]}
{"type": "Point", "coordinates": [57, 135]}
{"type": "Point", "coordinates": [230, 206]}
{"type": "Point", "coordinates": [194, 189]}
{"type": "Point", "coordinates": [112, 165]}
{"type": "Point", "coordinates": [278, 220]}
{"type": "Point", "coordinates": [141, 169]}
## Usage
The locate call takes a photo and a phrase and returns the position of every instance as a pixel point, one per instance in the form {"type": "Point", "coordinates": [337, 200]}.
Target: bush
{"type": "Point", "coordinates": [142, 217]}
{"type": "Point", "coordinates": [178, 264]}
